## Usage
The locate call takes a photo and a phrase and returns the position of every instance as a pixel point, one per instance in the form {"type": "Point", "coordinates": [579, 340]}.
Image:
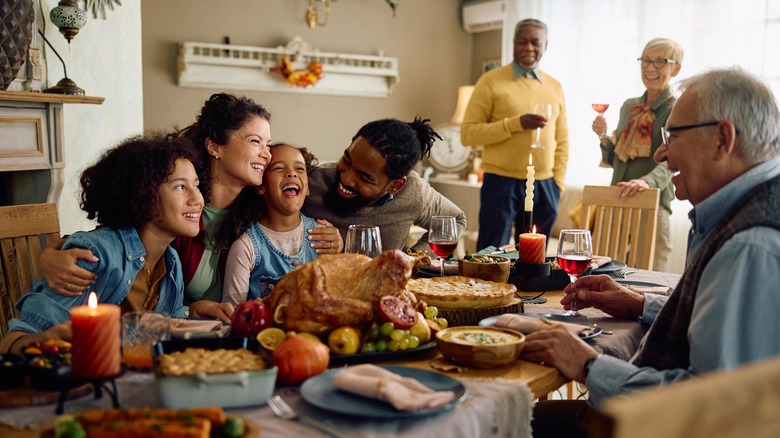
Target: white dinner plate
{"type": "Point", "coordinates": [320, 392]}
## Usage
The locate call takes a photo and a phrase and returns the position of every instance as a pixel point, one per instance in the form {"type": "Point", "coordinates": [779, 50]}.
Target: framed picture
{"type": "Point", "coordinates": [490, 64]}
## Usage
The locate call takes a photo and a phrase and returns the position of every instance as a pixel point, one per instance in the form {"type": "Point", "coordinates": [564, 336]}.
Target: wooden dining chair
{"type": "Point", "coordinates": [24, 231]}
{"type": "Point", "coordinates": [623, 228]}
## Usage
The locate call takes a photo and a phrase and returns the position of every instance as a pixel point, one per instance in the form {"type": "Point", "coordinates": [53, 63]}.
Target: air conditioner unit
{"type": "Point", "coordinates": [482, 16]}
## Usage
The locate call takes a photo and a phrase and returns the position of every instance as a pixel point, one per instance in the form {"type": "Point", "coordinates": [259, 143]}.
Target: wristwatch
{"type": "Point", "coordinates": [589, 364]}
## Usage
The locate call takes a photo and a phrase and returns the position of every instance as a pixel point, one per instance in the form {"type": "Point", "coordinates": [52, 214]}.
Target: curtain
{"type": "Point", "coordinates": [593, 46]}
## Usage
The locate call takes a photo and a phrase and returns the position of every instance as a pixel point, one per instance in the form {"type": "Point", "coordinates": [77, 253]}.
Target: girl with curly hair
{"type": "Point", "coordinates": [274, 244]}
{"type": "Point", "coordinates": [143, 194]}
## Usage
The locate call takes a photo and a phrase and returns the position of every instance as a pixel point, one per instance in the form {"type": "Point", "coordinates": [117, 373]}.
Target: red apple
{"type": "Point", "coordinates": [250, 317]}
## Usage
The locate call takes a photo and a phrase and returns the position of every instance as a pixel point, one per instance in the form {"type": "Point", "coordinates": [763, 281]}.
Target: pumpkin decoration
{"type": "Point", "coordinates": [298, 358]}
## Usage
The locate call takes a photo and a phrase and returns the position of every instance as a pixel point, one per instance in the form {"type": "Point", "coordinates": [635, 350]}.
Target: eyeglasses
{"type": "Point", "coordinates": [657, 63]}
{"type": "Point", "coordinates": [666, 131]}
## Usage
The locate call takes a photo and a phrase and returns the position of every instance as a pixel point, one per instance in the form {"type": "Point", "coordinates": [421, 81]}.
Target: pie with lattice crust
{"type": "Point", "coordinates": [457, 292]}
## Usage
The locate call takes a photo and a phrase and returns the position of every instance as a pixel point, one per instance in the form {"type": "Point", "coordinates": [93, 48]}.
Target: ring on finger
{"type": "Point", "coordinates": [67, 287]}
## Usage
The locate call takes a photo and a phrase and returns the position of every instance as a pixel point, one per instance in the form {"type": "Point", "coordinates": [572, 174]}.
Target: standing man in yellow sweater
{"type": "Point", "coordinates": [500, 117]}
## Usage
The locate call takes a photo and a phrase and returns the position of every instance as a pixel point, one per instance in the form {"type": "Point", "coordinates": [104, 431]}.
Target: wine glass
{"type": "Point", "coordinates": [443, 238]}
{"type": "Point", "coordinates": [363, 239]}
{"type": "Point", "coordinates": [600, 104]}
{"type": "Point", "coordinates": [575, 251]}
{"type": "Point", "coordinates": [544, 110]}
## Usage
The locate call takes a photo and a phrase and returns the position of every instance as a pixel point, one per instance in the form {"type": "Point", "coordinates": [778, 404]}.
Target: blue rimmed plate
{"type": "Point", "coordinates": [320, 392]}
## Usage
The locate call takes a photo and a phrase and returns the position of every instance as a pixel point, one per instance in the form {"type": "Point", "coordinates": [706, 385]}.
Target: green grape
{"type": "Point", "coordinates": [431, 312]}
{"type": "Point", "coordinates": [381, 345]}
{"type": "Point", "coordinates": [414, 341]}
{"type": "Point", "coordinates": [404, 344]}
{"type": "Point", "coordinates": [386, 329]}
{"type": "Point", "coordinates": [393, 345]}
{"type": "Point", "coordinates": [374, 332]}
{"type": "Point", "coordinates": [397, 335]}
{"type": "Point", "coordinates": [368, 347]}
{"type": "Point", "coordinates": [442, 323]}
{"type": "Point", "coordinates": [407, 333]}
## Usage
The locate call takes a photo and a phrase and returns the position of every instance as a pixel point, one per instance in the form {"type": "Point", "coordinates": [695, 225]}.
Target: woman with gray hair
{"type": "Point", "coordinates": [630, 148]}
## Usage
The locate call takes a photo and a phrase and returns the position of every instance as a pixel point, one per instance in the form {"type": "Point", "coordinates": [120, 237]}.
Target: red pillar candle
{"type": "Point", "coordinates": [96, 339]}
{"type": "Point", "coordinates": [531, 247]}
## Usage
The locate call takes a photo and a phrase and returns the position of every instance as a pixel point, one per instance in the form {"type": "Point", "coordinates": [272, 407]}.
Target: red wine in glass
{"type": "Point", "coordinates": [574, 264]}
{"type": "Point", "coordinates": [600, 108]}
{"type": "Point", "coordinates": [575, 251]}
{"type": "Point", "coordinates": [443, 249]}
{"type": "Point", "coordinates": [443, 238]}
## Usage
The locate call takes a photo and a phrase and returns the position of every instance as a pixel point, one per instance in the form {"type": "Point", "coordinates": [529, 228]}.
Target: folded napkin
{"type": "Point", "coordinates": [598, 261]}
{"type": "Point", "coordinates": [187, 328]}
{"type": "Point", "coordinates": [660, 290]}
{"type": "Point", "coordinates": [530, 324]}
{"type": "Point", "coordinates": [404, 393]}
{"type": "Point", "coordinates": [450, 267]}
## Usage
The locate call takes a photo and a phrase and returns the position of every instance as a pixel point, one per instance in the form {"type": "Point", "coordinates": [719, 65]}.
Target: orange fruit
{"type": "Point", "coordinates": [271, 337]}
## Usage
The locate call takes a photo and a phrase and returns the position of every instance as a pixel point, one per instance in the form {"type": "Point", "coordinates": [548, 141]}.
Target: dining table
{"type": "Point", "coordinates": [497, 401]}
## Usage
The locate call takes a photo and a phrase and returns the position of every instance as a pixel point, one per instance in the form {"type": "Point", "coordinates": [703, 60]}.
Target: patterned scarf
{"type": "Point", "coordinates": [636, 140]}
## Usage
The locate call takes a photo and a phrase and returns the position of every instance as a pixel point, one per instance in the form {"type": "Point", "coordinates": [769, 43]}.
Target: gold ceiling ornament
{"type": "Point", "coordinates": [100, 6]}
{"type": "Point", "coordinates": [313, 15]}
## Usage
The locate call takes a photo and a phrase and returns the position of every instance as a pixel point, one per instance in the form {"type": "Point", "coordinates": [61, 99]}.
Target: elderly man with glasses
{"type": "Point", "coordinates": [722, 143]}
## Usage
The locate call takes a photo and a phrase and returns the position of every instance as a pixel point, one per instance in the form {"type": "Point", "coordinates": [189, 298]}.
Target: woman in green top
{"type": "Point", "coordinates": [629, 151]}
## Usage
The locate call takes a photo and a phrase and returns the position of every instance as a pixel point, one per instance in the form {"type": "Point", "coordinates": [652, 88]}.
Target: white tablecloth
{"type": "Point", "coordinates": [500, 408]}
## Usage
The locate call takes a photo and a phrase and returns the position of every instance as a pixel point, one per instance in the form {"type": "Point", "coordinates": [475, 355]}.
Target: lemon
{"type": "Point", "coordinates": [271, 337]}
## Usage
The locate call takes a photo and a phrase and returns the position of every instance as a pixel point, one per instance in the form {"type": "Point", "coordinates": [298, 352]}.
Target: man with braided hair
{"type": "Point", "coordinates": [373, 183]}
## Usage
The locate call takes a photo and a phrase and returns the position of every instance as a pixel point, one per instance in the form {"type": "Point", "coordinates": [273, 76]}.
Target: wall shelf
{"type": "Point", "coordinates": [227, 66]}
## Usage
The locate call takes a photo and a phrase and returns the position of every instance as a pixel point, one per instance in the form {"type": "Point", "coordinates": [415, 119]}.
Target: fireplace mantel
{"type": "Point", "coordinates": [32, 145]}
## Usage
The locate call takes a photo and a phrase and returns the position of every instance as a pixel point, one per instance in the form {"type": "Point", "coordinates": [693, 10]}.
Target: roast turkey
{"type": "Point", "coordinates": [339, 289]}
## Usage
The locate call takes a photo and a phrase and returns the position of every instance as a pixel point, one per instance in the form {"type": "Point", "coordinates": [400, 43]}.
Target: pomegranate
{"type": "Point", "coordinates": [401, 313]}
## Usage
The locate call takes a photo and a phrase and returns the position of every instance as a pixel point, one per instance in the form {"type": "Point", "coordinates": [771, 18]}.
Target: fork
{"type": "Point", "coordinates": [282, 410]}
{"type": "Point", "coordinates": [623, 273]}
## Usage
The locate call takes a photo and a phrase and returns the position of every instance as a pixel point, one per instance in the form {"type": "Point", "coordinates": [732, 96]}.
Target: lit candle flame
{"type": "Point", "coordinates": [92, 300]}
{"type": "Point", "coordinates": [530, 159]}
{"type": "Point", "coordinates": [534, 229]}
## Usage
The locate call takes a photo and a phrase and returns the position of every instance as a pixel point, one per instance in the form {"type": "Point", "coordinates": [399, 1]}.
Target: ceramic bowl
{"type": "Point", "coordinates": [496, 270]}
{"type": "Point", "coordinates": [480, 347]}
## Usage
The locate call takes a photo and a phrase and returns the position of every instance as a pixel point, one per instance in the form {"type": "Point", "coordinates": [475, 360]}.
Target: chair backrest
{"type": "Point", "coordinates": [624, 228]}
{"type": "Point", "coordinates": [742, 402]}
{"type": "Point", "coordinates": [24, 231]}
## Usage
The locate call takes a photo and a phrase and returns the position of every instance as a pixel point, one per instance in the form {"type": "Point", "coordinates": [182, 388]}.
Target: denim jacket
{"type": "Point", "coordinates": [121, 255]}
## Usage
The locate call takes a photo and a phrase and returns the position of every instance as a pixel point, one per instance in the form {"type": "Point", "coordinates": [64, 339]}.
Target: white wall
{"type": "Point", "coordinates": [105, 60]}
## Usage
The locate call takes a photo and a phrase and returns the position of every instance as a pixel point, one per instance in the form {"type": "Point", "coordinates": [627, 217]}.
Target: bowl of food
{"type": "Point", "coordinates": [480, 347]}
{"type": "Point", "coordinates": [485, 267]}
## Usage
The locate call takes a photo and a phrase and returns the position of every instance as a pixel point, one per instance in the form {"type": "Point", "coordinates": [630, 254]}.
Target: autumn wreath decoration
{"type": "Point", "coordinates": [299, 78]}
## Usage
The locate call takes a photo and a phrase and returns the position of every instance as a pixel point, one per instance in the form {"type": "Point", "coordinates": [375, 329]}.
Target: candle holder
{"type": "Point", "coordinates": [532, 277]}
{"type": "Point", "coordinates": [107, 384]}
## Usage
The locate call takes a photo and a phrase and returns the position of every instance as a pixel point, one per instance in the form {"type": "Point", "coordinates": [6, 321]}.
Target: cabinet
{"type": "Point", "coordinates": [32, 145]}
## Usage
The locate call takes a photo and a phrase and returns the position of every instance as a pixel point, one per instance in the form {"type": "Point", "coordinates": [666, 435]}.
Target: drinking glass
{"type": "Point", "coordinates": [443, 238]}
{"type": "Point", "coordinates": [140, 330]}
{"type": "Point", "coordinates": [363, 239]}
{"type": "Point", "coordinates": [575, 251]}
{"type": "Point", "coordinates": [544, 110]}
{"type": "Point", "coordinates": [600, 104]}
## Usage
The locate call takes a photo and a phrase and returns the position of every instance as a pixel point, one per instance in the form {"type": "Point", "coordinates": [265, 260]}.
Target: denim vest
{"type": "Point", "coordinates": [121, 255]}
{"type": "Point", "coordinates": [270, 263]}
